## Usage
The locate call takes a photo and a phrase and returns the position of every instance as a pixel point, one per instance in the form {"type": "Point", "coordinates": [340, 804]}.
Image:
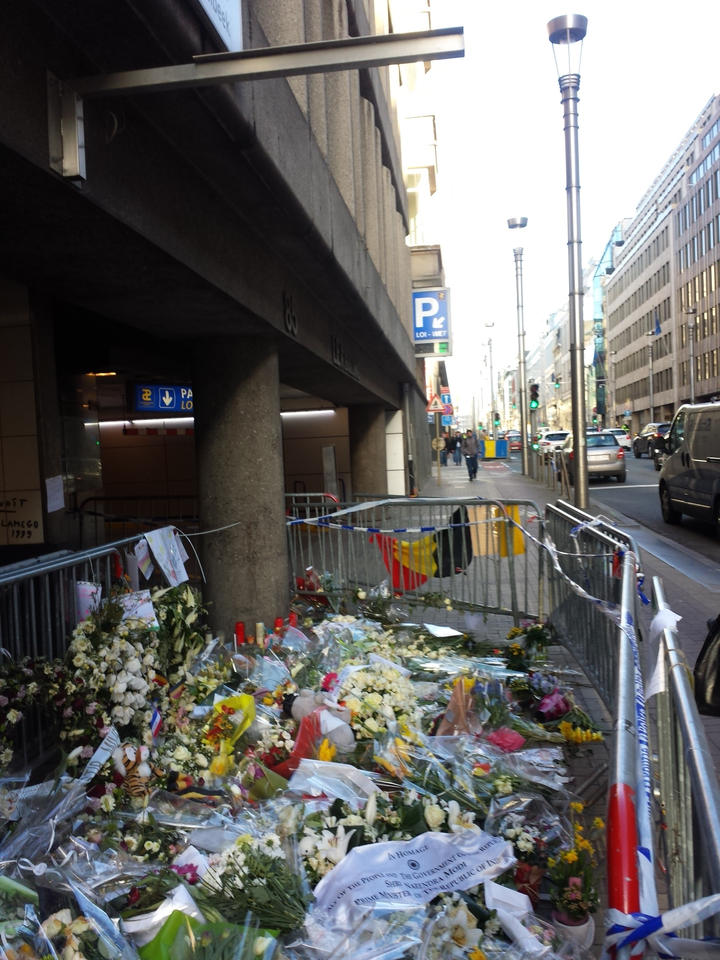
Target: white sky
{"type": "Point", "coordinates": [647, 71]}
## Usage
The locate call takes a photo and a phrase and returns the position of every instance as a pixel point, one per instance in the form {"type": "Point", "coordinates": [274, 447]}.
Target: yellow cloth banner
{"type": "Point", "coordinates": [491, 537]}
{"type": "Point", "coordinates": [418, 556]}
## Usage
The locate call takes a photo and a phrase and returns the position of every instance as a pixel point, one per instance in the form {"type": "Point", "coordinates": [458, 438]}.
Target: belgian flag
{"type": "Point", "coordinates": [440, 554]}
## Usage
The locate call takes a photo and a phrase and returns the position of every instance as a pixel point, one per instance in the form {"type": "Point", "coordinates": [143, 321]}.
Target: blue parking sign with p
{"type": "Point", "coordinates": [431, 315]}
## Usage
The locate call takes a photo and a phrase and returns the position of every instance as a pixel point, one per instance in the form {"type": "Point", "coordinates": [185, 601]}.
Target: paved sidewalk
{"type": "Point", "coordinates": [690, 598]}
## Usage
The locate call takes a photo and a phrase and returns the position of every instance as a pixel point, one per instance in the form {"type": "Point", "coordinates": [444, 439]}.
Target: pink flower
{"type": "Point", "coordinates": [189, 871]}
{"type": "Point", "coordinates": [553, 705]}
{"type": "Point", "coordinates": [3, 701]}
{"type": "Point", "coordinates": [506, 739]}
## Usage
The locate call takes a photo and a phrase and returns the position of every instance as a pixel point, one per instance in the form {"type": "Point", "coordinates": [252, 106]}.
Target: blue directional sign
{"type": "Point", "coordinates": [151, 398]}
{"type": "Point", "coordinates": [431, 315]}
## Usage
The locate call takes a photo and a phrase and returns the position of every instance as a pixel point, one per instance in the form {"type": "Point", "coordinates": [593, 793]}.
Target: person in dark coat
{"type": "Point", "coordinates": [457, 448]}
{"type": "Point", "coordinates": [470, 452]}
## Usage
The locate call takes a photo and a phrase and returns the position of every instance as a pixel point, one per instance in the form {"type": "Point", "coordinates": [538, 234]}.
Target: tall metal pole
{"type": "Point", "coordinates": [652, 394]}
{"type": "Point", "coordinates": [514, 224]}
{"type": "Point", "coordinates": [570, 30]}
{"type": "Point", "coordinates": [491, 418]}
{"type": "Point", "coordinates": [691, 312]}
{"type": "Point", "coordinates": [492, 388]}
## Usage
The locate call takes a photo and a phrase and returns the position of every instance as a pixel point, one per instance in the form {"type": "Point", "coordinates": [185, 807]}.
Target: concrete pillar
{"type": "Point", "coordinates": [240, 481]}
{"type": "Point", "coordinates": [282, 22]}
{"type": "Point", "coordinates": [339, 114]}
{"type": "Point", "coordinates": [368, 462]}
{"type": "Point", "coordinates": [370, 181]}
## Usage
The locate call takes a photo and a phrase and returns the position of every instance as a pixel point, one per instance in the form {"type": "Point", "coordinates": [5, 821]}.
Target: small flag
{"type": "Point", "coordinates": [658, 331]}
{"type": "Point", "coordinates": [155, 722]}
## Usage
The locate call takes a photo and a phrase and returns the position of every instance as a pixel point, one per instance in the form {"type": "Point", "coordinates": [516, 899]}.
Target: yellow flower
{"type": "Point", "coordinates": [570, 856]}
{"type": "Point", "coordinates": [220, 765]}
{"type": "Point", "coordinates": [327, 751]}
{"type": "Point", "coordinates": [598, 823]}
{"type": "Point", "coordinates": [551, 862]}
{"type": "Point", "coordinates": [577, 806]}
{"type": "Point", "coordinates": [476, 954]}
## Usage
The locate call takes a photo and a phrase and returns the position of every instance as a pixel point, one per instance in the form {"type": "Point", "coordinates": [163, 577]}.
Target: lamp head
{"type": "Point", "coordinates": [566, 35]}
{"type": "Point", "coordinates": [516, 223]}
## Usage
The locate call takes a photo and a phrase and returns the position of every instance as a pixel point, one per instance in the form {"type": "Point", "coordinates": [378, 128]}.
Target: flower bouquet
{"type": "Point", "coordinates": [255, 876]}
{"type": "Point", "coordinates": [378, 695]}
{"type": "Point", "coordinates": [573, 872]}
{"type": "Point", "coordinates": [536, 831]}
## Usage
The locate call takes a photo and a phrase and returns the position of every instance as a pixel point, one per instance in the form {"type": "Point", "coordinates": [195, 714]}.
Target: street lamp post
{"type": "Point", "coordinates": [492, 382]}
{"type": "Point", "coordinates": [650, 363]}
{"type": "Point", "coordinates": [691, 312]}
{"type": "Point", "coordinates": [566, 35]}
{"type": "Point", "coordinates": [517, 223]}
{"type": "Point", "coordinates": [613, 386]}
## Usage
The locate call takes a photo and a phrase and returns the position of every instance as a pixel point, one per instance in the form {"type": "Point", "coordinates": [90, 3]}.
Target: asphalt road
{"type": "Point", "coordinates": [638, 500]}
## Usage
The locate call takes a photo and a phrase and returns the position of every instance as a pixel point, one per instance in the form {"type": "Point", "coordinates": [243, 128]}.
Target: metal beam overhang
{"type": "Point", "coordinates": [65, 115]}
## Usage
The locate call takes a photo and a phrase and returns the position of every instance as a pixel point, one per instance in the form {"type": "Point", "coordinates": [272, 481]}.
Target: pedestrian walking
{"type": "Point", "coordinates": [470, 452]}
{"type": "Point", "coordinates": [457, 449]}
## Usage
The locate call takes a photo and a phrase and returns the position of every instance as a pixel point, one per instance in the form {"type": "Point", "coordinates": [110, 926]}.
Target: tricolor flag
{"type": "Point", "coordinates": [155, 721]}
{"type": "Point", "coordinates": [438, 554]}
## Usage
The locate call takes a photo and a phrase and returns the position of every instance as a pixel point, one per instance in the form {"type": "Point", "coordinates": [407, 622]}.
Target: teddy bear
{"type": "Point", "coordinates": [334, 717]}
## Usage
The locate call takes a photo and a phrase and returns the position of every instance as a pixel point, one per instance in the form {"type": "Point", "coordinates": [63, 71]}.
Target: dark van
{"type": "Point", "coordinates": [690, 476]}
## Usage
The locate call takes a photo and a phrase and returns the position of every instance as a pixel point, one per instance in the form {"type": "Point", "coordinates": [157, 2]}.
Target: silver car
{"type": "Point", "coordinates": [605, 457]}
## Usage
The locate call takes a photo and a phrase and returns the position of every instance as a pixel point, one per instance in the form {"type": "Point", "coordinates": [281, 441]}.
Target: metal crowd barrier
{"type": "Point", "coordinates": [103, 519]}
{"type": "Point", "coordinates": [38, 598]}
{"type": "Point", "coordinates": [301, 505]}
{"type": "Point", "coordinates": [590, 554]}
{"type": "Point", "coordinates": [689, 792]}
{"type": "Point", "coordinates": [481, 556]}
{"type": "Point", "coordinates": [664, 798]}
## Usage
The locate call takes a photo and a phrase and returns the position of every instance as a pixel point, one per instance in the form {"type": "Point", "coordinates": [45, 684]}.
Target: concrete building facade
{"type": "Point", "coordinates": [233, 254]}
{"type": "Point", "coordinates": [662, 286]}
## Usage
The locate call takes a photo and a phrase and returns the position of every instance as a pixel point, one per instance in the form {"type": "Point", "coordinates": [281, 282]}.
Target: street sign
{"type": "Point", "coordinates": [446, 398]}
{"type": "Point", "coordinates": [438, 443]}
{"type": "Point", "coordinates": [430, 315]}
{"type": "Point", "coordinates": [448, 409]}
{"type": "Point", "coordinates": [151, 398]}
{"type": "Point", "coordinates": [435, 405]}
{"type": "Point", "coordinates": [446, 420]}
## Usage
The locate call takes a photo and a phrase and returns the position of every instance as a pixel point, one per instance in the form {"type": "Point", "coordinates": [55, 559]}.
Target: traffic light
{"type": "Point", "coordinates": [534, 399]}
{"type": "Point", "coordinates": [496, 418]}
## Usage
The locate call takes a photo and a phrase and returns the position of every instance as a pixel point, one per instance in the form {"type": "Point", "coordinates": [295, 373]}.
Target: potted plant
{"type": "Point", "coordinates": [573, 881]}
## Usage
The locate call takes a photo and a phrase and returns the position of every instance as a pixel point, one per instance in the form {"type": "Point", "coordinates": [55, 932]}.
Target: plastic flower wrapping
{"type": "Point", "coordinates": [353, 787]}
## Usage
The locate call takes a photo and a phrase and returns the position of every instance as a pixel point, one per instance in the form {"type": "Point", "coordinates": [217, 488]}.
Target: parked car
{"type": "Point", "coordinates": [605, 457]}
{"type": "Point", "coordinates": [690, 474]}
{"type": "Point", "coordinates": [550, 442]}
{"type": "Point", "coordinates": [646, 441]}
{"type": "Point", "coordinates": [514, 440]}
{"type": "Point", "coordinates": [623, 437]}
